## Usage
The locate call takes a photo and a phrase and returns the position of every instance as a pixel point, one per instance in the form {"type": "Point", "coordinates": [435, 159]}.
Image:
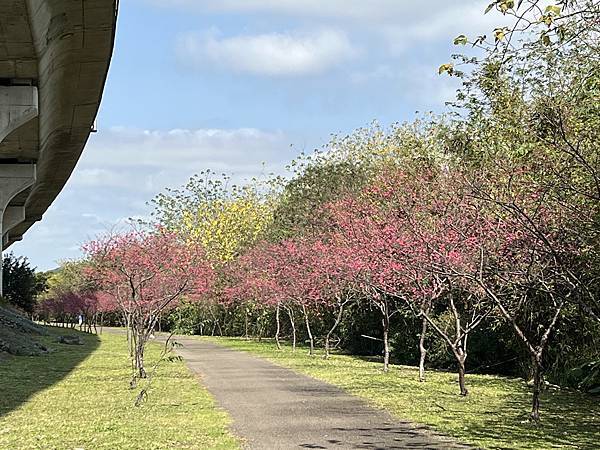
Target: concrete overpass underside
{"type": "Point", "coordinates": [54, 58]}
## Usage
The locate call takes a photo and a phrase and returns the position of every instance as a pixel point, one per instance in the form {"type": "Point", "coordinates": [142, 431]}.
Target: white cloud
{"type": "Point", "coordinates": [402, 23]}
{"type": "Point", "coordinates": [360, 10]}
{"type": "Point", "coordinates": [123, 168]}
{"type": "Point", "coordinates": [272, 54]}
{"type": "Point", "coordinates": [150, 160]}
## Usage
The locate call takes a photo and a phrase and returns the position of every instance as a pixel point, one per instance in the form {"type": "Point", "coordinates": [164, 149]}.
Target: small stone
{"type": "Point", "coordinates": [70, 340]}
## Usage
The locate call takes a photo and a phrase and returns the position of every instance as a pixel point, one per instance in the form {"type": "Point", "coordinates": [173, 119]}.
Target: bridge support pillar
{"type": "Point", "coordinates": [14, 179]}
{"type": "Point", "coordinates": [18, 105]}
{"type": "Point", "coordinates": [13, 216]}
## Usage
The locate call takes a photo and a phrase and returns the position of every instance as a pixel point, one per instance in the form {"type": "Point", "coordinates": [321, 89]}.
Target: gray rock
{"type": "Point", "coordinates": [70, 340]}
{"type": "Point", "coordinates": [18, 334]}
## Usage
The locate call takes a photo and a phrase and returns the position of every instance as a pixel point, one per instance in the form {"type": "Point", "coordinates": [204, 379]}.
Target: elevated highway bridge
{"type": "Point", "coordinates": [54, 59]}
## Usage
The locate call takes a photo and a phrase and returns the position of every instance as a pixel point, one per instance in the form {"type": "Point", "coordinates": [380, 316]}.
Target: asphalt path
{"type": "Point", "coordinates": [276, 408]}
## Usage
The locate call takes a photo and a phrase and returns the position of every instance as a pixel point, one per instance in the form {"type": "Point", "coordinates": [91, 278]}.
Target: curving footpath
{"type": "Point", "coordinates": [275, 408]}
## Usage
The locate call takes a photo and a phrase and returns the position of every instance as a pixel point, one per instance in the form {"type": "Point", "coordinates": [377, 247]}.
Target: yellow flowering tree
{"type": "Point", "coordinates": [225, 219]}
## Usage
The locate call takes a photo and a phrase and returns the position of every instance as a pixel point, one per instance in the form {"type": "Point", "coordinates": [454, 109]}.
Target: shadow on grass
{"type": "Point", "coordinates": [569, 420]}
{"type": "Point", "coordinates": [494, 415]}
{"type": "Point", "coordinates": [21, 377]}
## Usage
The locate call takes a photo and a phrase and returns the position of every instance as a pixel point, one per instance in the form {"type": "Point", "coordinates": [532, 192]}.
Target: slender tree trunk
{"type": "Point", "coordinates": [422, 350]}
{"type": "Point", "coordinates": [338, 319]}
{"type": "Point", "coordinates": [461, 375]}
{"type": "Point", "coordinates": [278, 325]}
{"type": "Point", "coordinates": [536, 352]}
{"type": "Point", "coordinates": [309, 332]}
{"type": "Point", "coordinates": [130, 344]}
{"type": "Point", "coordinates": [259, 327]}
{"type": "Point", "coordinates": [141, 371]}
{"type": "Point", "coordinates": [293, 325]}
{"type": "Point", "coordinates": [217, 325]}
{"type": "Point", "coordinates": [139, 344]}
{"type": "Point", "coordinates": [246, 325]}
{"type": "Point", "coordinates": [386, 342]}
{"type": "Point", "coordinates": [132, 356]}
{"type": "Point", "coordinates": [537, 387]}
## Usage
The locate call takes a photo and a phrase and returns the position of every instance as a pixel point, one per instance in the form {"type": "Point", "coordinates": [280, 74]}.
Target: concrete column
{"type": "Point", "coordinates": [14, 179]}
{"type": "Point", "coordinates": [18, 105]}
{"type": "Point", "coordinates": [13, 216]}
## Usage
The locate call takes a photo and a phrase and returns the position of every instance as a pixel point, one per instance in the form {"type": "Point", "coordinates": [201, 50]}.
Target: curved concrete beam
{"type": "Point", "coordinates": [14, 179]}
{"type": "Point", "coordinates": [72, 43]}
{"type": "Point", "coordinates": [18, 105]}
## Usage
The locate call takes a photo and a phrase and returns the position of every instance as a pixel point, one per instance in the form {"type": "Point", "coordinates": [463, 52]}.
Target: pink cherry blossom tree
{"type": "Point", "coordinates": [373, 252]}
{"type": "Point", "coordinates": [445, 228]}
{"type": "Point", "coordinates": [146, 273]}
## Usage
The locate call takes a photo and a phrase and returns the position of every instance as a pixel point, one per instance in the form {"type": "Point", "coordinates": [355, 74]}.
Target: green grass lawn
{"type": "Point", "coordinates": [494, 415]}
{"type": "Point", "coordinates": [78, 397]}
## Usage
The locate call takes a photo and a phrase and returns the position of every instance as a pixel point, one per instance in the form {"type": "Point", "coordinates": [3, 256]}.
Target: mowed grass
{"type": "Point", "coordinates": [78, 397]}
{"type": "Point", "coordinates": [494, 415]}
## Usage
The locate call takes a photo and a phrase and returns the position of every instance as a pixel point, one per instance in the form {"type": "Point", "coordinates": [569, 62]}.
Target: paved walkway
{"type": "Point", "coordinates": [275, 408]}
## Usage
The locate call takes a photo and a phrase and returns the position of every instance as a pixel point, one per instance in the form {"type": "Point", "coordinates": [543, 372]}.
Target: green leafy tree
{"type": "Point", "coordinates": [21, 284]}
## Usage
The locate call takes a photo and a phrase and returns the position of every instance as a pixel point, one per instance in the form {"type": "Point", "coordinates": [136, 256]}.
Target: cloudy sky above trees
{"type": "Point", "coordinates": [243, 86]}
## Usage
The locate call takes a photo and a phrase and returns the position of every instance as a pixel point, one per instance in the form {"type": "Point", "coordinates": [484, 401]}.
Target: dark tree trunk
{"type": "Point", "coordinates": [338, 319]}
{"type": "Point", "coordinates": [537, 387]}
{"type": "Point", "coordinates": [461, 378]}
{"type": "Point", "coordinates": [536, 352]}
{"type": "Point", "coordinates": [129, 328]}
{"type": "Point", "coordinates": [140, 360]}
{"type": "Point", "coordinates": [138, 343]}
{"type": "Point", "coordinates": [461, 357]}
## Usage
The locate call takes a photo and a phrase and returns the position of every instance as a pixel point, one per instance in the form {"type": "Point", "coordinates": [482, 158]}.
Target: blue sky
{"type": "Point", "coordinates": [232, 84]}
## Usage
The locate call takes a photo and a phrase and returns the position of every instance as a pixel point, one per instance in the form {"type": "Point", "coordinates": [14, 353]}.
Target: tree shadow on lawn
{"type": "Point", "coordinates": [21, 377]}
{"type": "Point", "coordinates": [569, 419]}
{"type": "Point", "coordinates": [495, 414]}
